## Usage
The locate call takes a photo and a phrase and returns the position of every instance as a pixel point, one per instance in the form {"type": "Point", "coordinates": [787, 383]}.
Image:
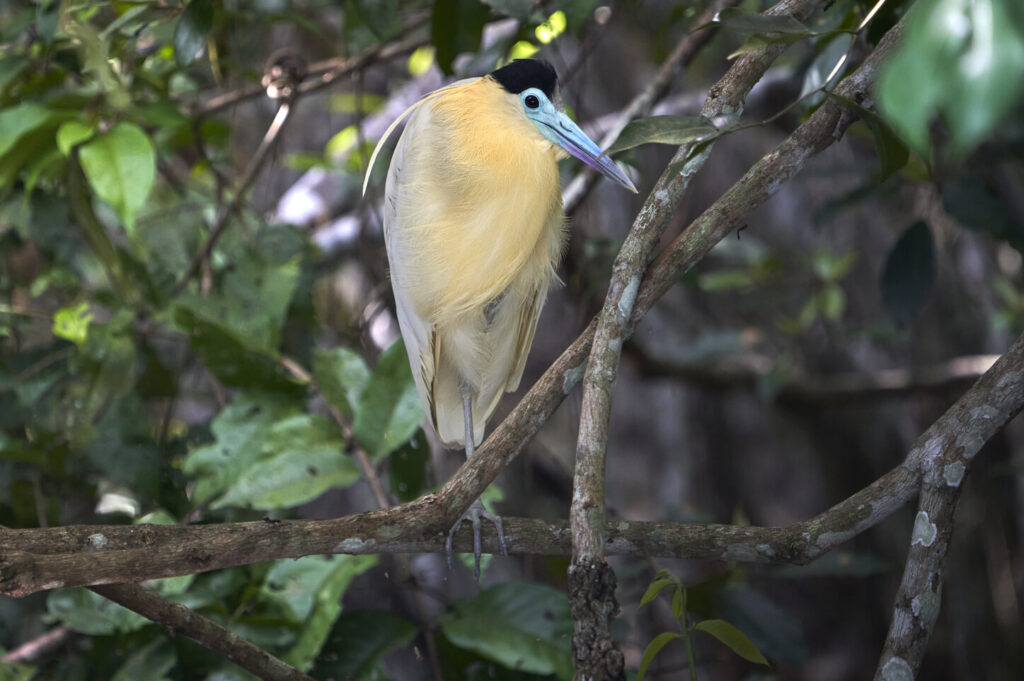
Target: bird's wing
{"type": "Point", "coordinates": [418, 334]}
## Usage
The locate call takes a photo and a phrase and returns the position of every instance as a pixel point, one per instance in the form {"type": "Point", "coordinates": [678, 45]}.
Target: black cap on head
{"type": "Point", "coordinates": [523, 74]}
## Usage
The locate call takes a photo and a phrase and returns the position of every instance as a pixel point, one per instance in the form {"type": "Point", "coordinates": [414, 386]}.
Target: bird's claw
{"type": "Point", "coordinates": [473, 515]}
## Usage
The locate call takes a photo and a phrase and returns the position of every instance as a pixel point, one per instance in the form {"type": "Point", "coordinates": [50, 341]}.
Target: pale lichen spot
{"type": "Point", "coordinates": [954, 473]}
{"type": "Point", "coordinates": [97, 541]}
{"type": "Point", "coordinates": [355, 545]}
{"type": "Point", "coordinates": [628, 298]}
{"type": "Point", "coordinates": [765, 550]}
{"type": "Point", "coordinates": [573, 377]}
{"type": "Point", "coordinates": [389, 531]}
{"type": "Point", "coordinates": [56, 584]}
{"type": "Point", "coordinates": [897, 669]}
{"type": "Point", "coordinates": [622, 526]}
{"type": "Point", "coordinates": [925, 530]}
{"type": "Point", "coordinates": [926, 607]}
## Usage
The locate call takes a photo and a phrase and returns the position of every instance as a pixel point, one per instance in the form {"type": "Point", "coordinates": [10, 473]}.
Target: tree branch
{"type": "Point", "coordinates": [945, 456]}
{"type": "Point", "coordinates": [178, 619]}
{"type": "Point", "coordinates": [591, 580]}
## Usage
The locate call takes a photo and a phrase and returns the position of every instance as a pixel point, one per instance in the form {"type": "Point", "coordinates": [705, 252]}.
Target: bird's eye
{"type": "Point", "coordinates": [531, 101]}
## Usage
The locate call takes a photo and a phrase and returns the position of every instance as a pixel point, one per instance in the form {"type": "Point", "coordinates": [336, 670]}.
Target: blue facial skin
{"type": "Point", "coordinates": [559, 129]}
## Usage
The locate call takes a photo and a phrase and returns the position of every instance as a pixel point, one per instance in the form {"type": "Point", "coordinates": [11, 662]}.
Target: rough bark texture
{"type": "Point", "coordinates": [593, 605]}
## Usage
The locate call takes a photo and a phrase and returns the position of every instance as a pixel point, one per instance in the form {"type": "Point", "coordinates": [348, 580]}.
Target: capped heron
{"type": "Point", "coordinates": [474, 228]}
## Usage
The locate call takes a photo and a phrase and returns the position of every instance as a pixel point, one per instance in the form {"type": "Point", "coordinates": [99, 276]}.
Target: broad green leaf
{"type": "Point", "coordinates": [961, 61]}
{"type": "Point", "coordinates": [72, 322]}
{"type": "Point", "coordinates": [71, 133]}
{"type": "Point", "coordinates": [191, 31]}
{"type": "Point", "coordinates": [121, 168]}
{"type": "Point", "coordinates": [254, 300]}
{"type": "Point", "coordinates": [326, 608]}
{"type": "Point", "coordinates": [358, 640]}
{"type": "Point", "coordinates": [341, 375]}
{"type": "Point", "coordinates": [653, 648]}
{"type": "Point", "coordinates": [456, 26]}
{"type": "Point", "coordinates": [20, 120]}
{"type": "Point", "coordinates": [663, 130]}
{"type": "Point", "coordinates": [407, 469]}
{"type": "Point", "coordinates": [88, 613]}
{"type": "Point", "coordinates": [232, 358]}
{"type": "Point", "coordinates": [149, 663]}
{"type": "Point", "coordinates": [735, 639]}
{"type": "Point", "coordinates": [909, 273]}
{"type": "Point", "coordinates": [654, 589]}
{"type": "Point", "coordinates": [239, 431]}
{"type": "Point", "coordinates": [296, 585]}
{"type": "Point", "coordinates": [523, 626]}
{"type": "Point", "coordinates": [389, 411]}
{"type": "Point", "coordinates": [300, 458]}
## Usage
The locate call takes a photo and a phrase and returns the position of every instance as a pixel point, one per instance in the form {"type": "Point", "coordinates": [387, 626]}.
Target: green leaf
{"type": "Point", "coordinates": [20, 120]}
{"type": "Point", "coordinates": [390, 410]}
{"type": "Point", "coordinates": [747, 21]}
{"type": "Point", "coordinates": [663, 130]}
{"type": "Point", "coordinates": [653, 648]}
{"type": "Point", "coordinates": [407, 468]}
{"type": "Point", "coordinates": [832, 302]}
{"type": "Point", "coordinates": [961, 61]}
{"type": "Point", "coordinates": [358, 640]}
{"type": "Point", "coordinates": [72, 322]}
{"type": "Point", "coordinates": [735, 639]}
{"type": "Point", "coordinates": [149, 663]}
{"type": "Point", "coordinates": [909, 273]}
{"type": "Point", "coordinates": [654, 589]}
{"type": "Point", "coordinates": [310, 590]}
{"type": "Point", "coordinates": [893, 154]}
{"type": "Point", "coordinates": [456, 26]}
{"type": "Point", "coordinates": [301, 457]}
{"type": "Point", "coordinates": [341, 375]}
{"type": "Point", "coordinates": [679, 605]}
{"type": "Point", "coordinates": [240, 431]}
{"type": "Point", "coordinates": [523, 626]}
{"type": "Point", "coordinates": [72, 133]}
{"type": "Point", "coordinates": [121, 167]}
{"type": "Point", "coordinates": [191, 31]}
{"type": "Point", "coordinates": [230, 357]}
{"type": "Point", "coordinates": [89, 613]}
{"type": "Point", "coordinates": [831, 50]}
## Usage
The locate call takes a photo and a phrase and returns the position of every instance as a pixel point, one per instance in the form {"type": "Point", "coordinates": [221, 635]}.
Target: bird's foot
{"type": "Point", "coordinates": [473, 515]}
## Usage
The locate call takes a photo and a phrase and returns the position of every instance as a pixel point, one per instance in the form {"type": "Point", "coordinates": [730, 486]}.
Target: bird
{"type": "Point", "coordinates": [474, 229]}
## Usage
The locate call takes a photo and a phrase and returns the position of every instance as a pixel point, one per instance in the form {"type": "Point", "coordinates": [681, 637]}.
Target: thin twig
{"type": "Point", "coordinates": [248, 177]}
{"type": "Point", "coordinates": [641, 105]}
{"type": "Point", "coordinates": [178, 619]}
{"type": "Point", "coordinates": [37, 648]}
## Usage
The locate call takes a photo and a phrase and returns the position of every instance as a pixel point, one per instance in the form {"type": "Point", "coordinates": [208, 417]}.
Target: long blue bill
{"type": "Point", "coordinates": [569, 136]}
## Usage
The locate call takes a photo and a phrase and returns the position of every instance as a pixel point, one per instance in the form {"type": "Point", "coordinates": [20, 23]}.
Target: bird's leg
{"type": "Point", "coordinates": [477, 510]}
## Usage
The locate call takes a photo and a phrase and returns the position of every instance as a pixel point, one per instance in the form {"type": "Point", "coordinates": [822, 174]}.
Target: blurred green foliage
{"type": "Point", "coordinates": [110, 182]}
